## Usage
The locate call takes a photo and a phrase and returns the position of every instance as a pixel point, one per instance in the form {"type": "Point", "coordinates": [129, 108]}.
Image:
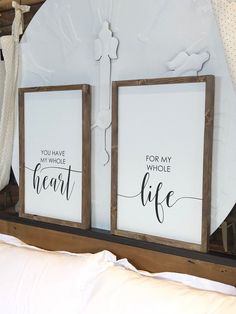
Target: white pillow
{"type": "Point", "coordinates": [10, 239]}
{"type": "Point", "coordinates": [105, 255]}
{"type": "Point", "coordinates": [197, 282]}
{"type": "Point", "coordinates": [192, 281]}
{"type": "Point", "coordinates": [34, 281]}
{"type": "Point", "coordinates": [118, 290]}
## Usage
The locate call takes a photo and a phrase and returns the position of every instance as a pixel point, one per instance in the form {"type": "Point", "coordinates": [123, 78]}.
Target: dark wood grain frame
{"type": "Point", "coordinates": [86, 155]}
{"type": "Point", "coordinates": [207, 161]}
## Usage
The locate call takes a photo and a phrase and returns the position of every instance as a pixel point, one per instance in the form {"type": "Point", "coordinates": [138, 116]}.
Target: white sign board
{"type": "Point", "coordinates": [162, 167]}
{"type": "Point", "coordinates": [55, 164]}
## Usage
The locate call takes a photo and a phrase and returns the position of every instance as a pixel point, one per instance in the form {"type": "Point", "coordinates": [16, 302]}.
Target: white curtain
{"type": "Point", "coordinates": [225, 11]}
{"type": "Point", "coordinates": [2, 80]}
{"type": "Point", "coordinates": [10, 47]}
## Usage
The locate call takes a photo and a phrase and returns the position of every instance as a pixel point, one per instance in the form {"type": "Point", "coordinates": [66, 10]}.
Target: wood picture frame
{"type": "Point", "coordinates": [162, 129]}
{"type": "Point", "coordinates": [55, 161]}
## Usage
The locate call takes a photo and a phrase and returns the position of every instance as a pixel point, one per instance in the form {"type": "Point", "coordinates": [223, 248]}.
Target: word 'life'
{"type": "Point", "coordinates": [148, 196]}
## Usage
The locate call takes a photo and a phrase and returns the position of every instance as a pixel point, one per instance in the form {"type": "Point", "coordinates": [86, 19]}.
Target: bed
{"type": "Point", "coordinates": [35, 280]}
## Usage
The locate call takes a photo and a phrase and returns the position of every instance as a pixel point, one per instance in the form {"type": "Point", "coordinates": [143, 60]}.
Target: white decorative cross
{"type": "Point", "coordinates": [105, 50]}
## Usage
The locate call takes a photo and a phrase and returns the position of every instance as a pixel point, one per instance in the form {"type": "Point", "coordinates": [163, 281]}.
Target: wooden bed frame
{"type": "Point", "coordinates": [147, 256]}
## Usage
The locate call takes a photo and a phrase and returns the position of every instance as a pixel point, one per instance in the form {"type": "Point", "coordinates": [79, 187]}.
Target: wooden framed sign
{"type": "Point", "coordinates": [161, 160]}
{"type": "Point", "coordinates": [54, 124]}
